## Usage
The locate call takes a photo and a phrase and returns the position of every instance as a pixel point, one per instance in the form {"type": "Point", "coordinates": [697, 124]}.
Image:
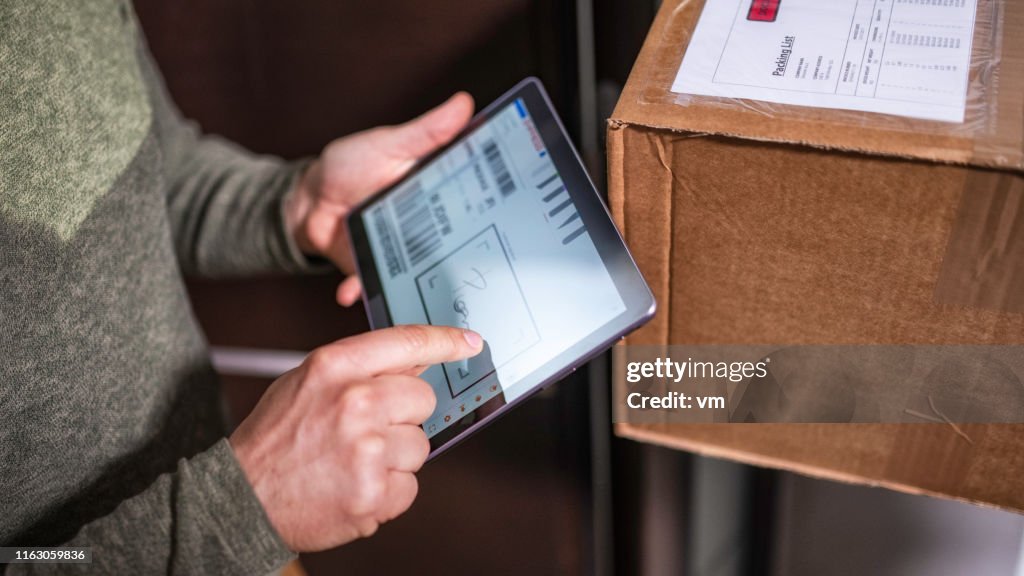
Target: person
{"type": "Point", "coordinates": [112, 435]}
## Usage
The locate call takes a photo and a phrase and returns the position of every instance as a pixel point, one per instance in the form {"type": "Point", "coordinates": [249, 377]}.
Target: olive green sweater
{"type": "Point", "coordinates": [111, 429]}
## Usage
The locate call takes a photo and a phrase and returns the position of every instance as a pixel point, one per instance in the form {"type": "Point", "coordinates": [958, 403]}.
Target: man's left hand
{"type": "Point", "coordinates": [351, 169]}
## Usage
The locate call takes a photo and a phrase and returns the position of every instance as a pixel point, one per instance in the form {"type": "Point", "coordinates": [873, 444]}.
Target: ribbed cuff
{"type": "Point", "coordinates": [236, 527]}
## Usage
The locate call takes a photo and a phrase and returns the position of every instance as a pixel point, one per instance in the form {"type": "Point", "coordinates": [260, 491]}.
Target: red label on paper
{"type": "Point", "coordinates": [763, 10]}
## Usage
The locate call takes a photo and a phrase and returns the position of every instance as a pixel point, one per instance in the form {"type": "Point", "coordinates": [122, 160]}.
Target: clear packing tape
{"type": "Point", "coordinates": [990, 135]}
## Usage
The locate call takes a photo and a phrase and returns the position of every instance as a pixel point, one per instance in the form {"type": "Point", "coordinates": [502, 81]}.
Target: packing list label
{"type": "Point", "coordinates": [903, 57]}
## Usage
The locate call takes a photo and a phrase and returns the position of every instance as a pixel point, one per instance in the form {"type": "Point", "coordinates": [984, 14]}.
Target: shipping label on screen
{"type": "Point", "coordinates": [487, 237]}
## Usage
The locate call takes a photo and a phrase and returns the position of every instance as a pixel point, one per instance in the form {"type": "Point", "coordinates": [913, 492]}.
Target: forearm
{"type": "Point", "coordinates": [225, 205]}
{"type": "Point", "coordinates": [227, 211]}
{"type": "Point", "coordinates": [201, 519]}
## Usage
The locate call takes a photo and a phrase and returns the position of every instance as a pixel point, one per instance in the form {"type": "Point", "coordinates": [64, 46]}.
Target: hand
{"type": "Point", "coordinates": [331, 448]}
{"type": "Point", "coordinates": [352, 168]}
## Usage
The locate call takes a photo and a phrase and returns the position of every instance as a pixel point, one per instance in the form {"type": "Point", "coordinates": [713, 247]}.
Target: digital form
{"type": "Point", "coordinates": [487, 237]}
{"type": "Point", "coordinates": [903, 57]}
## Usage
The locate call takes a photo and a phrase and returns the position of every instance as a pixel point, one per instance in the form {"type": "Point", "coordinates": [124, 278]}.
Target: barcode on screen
{"type": "Point", "coordinates": [498, 168]}
{"type": "Point", "coordinates": [416, 224]}
{"type": "Point", "coordinates": [392, 258]}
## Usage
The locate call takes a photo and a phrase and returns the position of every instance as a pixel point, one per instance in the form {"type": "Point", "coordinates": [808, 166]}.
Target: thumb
{"type": "Point", "coordinates": [423, 135]}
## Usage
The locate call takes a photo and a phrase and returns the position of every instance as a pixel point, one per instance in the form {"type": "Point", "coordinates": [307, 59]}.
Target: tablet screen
{"type": "Point", "coordinates": [486, 237]}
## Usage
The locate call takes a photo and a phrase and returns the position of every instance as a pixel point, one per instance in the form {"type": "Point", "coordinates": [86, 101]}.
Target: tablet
{"type": "Point", "coordinates": [501, 232]}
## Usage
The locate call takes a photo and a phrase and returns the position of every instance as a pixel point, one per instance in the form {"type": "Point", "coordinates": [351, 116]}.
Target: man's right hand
{"type": "Point", "coordinates": [332, 446]}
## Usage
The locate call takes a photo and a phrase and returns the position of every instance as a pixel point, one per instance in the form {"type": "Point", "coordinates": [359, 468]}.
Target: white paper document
{"type": "Point", "coordinates": [904, 57]}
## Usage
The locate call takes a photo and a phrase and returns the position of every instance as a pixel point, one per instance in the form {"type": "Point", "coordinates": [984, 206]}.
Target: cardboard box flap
{"type": "Point", "coordinates": [927, 459]}
{"type": "Point", "coordinates": [992, 134]}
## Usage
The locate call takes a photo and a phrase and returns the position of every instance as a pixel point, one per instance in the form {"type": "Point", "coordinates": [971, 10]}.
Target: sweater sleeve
{"type": "Point", "coordinates": [225, 204]}
{"type": "Point", "coordinates": [203, 518]}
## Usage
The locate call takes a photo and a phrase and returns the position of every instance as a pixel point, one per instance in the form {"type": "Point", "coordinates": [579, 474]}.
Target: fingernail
{"type": "Point", "coordinates": [472, 338]}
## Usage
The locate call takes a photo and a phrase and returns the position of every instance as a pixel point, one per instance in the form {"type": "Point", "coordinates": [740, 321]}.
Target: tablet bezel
{"type": "Point", "coordinates": [632, 288]}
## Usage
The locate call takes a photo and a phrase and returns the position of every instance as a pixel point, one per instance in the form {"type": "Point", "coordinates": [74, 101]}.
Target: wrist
{"type": "Point", "coordinates": [298, 203]}
{"type": "Point", "coordinates": [254, 468]}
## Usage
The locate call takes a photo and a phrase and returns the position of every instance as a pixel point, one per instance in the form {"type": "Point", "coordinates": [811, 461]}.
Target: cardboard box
{"type": "Point", "coordinates": [812, 226]}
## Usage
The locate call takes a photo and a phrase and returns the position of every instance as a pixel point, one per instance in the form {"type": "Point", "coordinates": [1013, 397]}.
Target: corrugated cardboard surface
{"type": "Point", "coordinates": [753, 229]}
{"type": "Point", "coordinates": [991, 135]}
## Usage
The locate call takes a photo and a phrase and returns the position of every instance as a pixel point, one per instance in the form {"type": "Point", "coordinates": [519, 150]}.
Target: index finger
{"type": "Point", "coordinates": [396, 350]}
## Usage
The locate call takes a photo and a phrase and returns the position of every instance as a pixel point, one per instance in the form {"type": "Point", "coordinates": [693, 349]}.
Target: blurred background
{"type": "Point", "coordinates": [547, 489]}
